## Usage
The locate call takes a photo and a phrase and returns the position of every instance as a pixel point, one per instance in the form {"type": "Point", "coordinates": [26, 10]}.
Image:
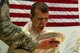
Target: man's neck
{"type": "Point", "coordinates": [36, 30]}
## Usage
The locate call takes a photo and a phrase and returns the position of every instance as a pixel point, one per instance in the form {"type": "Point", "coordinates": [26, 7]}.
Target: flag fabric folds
{"type": "Point", "coordinates": [61, 12]}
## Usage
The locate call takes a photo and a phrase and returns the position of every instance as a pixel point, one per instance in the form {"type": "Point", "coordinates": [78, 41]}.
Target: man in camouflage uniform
{"type": "Point", "coordinates": [12, 35]}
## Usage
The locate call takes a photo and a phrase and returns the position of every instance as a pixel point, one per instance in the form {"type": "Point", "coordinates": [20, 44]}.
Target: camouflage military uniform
{"type": "Point", "coordinates": [11, 34]}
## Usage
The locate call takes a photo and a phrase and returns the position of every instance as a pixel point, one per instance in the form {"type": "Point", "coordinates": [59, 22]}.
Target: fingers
{"type": "Point", "coordinates": [57, 40]}
{"type": "Point", "coordinates": [54, 42]}
{"type": "Point", "coordinates": [50, 43]}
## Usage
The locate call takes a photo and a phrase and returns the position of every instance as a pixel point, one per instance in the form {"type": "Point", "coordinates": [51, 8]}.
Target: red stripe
{"type": "Point", "coordinates": [52, 24]}
{"type": "Point", "coordinates": [15, 6]}
{"type": "Point", "coordinates": [19, 23]}
{"type": "Point", "coordinates": [62, 9]}
{"type": "Point", "coordinates": [59, 1]}
{"type": "Point", "coordinates": [64, 16]}
{"type": "Point", "coordinates": [20, 15]}
{"type": "Point", "coordinates": [63, 24]}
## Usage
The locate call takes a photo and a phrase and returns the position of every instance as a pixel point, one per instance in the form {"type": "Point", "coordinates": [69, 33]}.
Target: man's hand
{"type": "Point", "coordinates": [56, 41]}
{"type": "Point", "coordinates": [49, 43]}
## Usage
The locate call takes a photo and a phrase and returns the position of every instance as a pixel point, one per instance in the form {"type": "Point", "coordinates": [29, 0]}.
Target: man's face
{"type": "Point", "coordinates": [39, 20]}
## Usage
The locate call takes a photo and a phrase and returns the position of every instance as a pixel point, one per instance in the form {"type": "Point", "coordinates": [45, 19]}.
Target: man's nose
{"type": "Point", "coordinates": [44, 19]}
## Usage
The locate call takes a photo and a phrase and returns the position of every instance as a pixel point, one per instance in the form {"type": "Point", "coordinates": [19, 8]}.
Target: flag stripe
{"type": "Point", "coordinates": [62, 9]}
{"type": "Point", "coordinates": [49, 4]}
{"type": "Point", "coordinates": [63, 24]}
{"type": "Point", "coordinates": [50, 8]}
{"type": "Point", "coordinates": [49, 20]}
{"type": "Point", "coordinates": [61, 12]}
{"type": "Point", "coordinates": [50, 12]}
{"type": "Point", "coordinates": [51, 16]}
{"type": "Point", "coordinates": [51, 24]}
{"type": "Point", "coordinates": [59, 1]}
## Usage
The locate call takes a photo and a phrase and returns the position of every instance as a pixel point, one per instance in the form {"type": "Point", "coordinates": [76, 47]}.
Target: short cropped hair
{"type": "Point", "coordinates": [39, 5]}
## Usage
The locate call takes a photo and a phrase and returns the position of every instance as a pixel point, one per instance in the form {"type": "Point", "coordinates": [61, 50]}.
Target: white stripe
{"type": "Point", "coordinates": [20, 19]}
{"type": "Point", "coordinates": [49, 4]}
{"type": "Point", "coordinates": [50, 20]}
{"type": "Point", "coordinates": [62, 5]}
{"type": "Point", "coordinates": [20, 11]}
{"type": "Point", "coordinates": [63, 13]}
{"type": "Point", "coordinates": [21, 2]}
{"type": "Point", "coordinates": [50, 12]}
{"type": "Point", "coordinates": [63, 20]}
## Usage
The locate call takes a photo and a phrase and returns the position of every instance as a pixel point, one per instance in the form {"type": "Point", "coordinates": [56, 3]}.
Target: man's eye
{"type": "Point", "coordinates": [46, 18]}
{"type": "Point", "coordinates": [40, 19]}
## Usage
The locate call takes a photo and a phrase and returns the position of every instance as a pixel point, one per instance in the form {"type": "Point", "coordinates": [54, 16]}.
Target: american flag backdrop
{"type": "Point", "coordinates": [62, 12]}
